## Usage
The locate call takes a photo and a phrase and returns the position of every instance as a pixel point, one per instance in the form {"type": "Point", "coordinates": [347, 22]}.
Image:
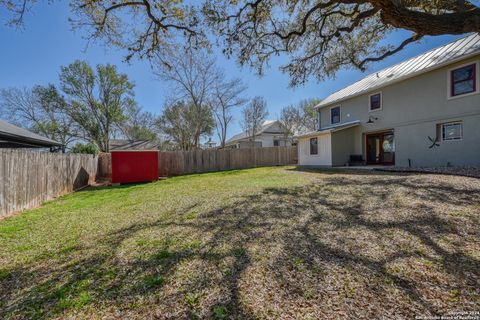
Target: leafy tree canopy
{"type": "Point", "coordinates": [98, 99]}
{"type": "Point", "coordinates": [318, 36]}
{"type": "Point", "coordinates": [88, 148]}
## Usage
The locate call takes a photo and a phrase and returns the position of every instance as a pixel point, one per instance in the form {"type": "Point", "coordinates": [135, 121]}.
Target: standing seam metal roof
{"type": "Point", "coordinates": [432, 59]}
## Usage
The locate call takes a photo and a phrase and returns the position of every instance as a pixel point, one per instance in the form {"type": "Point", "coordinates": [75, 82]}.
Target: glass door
{"type": "Point", "coordinates": [381, 148]}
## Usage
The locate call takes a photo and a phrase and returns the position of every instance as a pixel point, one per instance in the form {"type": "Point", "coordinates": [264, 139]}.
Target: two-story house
{"type": "Point", "coordinates": [424, 111]}
{"type": "Point", "coordinates": [270, 134]}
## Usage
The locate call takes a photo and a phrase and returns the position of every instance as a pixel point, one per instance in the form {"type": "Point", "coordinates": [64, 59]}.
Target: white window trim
{"type": "Point", "coordinates": [449, 80]}
{"type": "Point", "coordinates": [337, 106]}
{"type": "Point", "coordinates": [370, 102]}
{"type": "Point", "coordinates": [310, 147]}
{"type": "Point", "coordinates": [451, 123]}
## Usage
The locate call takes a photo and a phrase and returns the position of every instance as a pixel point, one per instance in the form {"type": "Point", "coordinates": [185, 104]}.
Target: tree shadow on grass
{"type": "Point", "coordinates": [367, 246]}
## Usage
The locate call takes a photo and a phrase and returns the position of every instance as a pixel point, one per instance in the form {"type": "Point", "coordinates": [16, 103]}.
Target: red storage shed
{"type": "Point", "coordinates": [134, 166]}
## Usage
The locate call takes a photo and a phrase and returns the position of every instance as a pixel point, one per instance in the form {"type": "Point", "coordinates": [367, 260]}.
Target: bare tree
{"type": "Point", "coordinates": [193, 77]}
{"type": "Point", "coordinates": [40, 110]}
{"type": "Point", "coordinates": [227, 95]}
{"type": "Point", "coordinates": [254, 115]}
{"type": "Point", "coordinates": [291, 120]}
{"type": "Point", "coordinates": [139, 124]}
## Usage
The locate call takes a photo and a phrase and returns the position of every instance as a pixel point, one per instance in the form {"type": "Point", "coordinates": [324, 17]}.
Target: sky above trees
{"type": "Point", "coordinates": [33, 55]}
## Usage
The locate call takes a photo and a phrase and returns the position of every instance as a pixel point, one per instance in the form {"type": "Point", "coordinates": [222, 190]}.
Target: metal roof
{"type": "Point", "coordinates": [16, 137]}
{"type": "Point", "coordinates": [263, 129]}
{"type": "Point", "coordinates": [436, 58]}
{"type": "Point", "coordinates": [330, 129]}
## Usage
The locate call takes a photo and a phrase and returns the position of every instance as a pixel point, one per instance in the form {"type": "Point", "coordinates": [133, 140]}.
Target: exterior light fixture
{"type": "Point", "coordinates": [371, 119]}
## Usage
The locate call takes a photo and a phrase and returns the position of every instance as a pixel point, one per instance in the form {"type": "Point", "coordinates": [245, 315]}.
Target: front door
{"type": "Point", "coordinates": [381, 148]}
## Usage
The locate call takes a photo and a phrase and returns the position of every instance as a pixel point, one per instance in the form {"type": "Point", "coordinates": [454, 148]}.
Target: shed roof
{"type": "Point", "coordinates": [16, 137]}
{"type": "Point", "coordinates": [436, 58]}
{"type": "Point", "coordinates": [123, 145]}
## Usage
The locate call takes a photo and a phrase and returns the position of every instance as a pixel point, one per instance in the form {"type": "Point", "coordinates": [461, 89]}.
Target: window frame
{"type": "Point", "coordinates": [339, 115]}
{"type": "Point", "coordinates": [310, 146]}
{"type": "Point", "coordinates": [370, 101]}
{"type": "Point", "coordinates": [450, 83]}
{"type": "Point", "coordinates": [442, 125]}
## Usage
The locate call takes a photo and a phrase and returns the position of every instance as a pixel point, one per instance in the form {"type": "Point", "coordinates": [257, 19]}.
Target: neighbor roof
{"type": "Point", "coordinates": [118, 144]}
{"type": "Point", "coordinates": [263, 129]}
{"type": "Point", "coordinates": [436, 58]}
{"type": "Point", "coordinates": [16, 137]}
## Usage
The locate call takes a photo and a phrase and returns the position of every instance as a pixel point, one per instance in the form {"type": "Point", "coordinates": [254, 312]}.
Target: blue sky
{"type": "Point", "coordinates": [34, 55]}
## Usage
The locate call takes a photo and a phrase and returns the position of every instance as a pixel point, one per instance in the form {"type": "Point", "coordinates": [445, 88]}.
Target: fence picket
{"type": "Point", "coordinates": [29, 178]}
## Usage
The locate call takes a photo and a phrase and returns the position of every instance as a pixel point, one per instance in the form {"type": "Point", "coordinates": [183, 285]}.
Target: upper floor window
{"type": "Point", "coordinates": [463, 80]}
{"type": "Point", "coordinates": [375, 102]}
{"type": "Point", "coordinates": [452, 131]}
{"type": "Point", "coordinates": [335, 115]}
{"type": "Point", "coordinates": [313, 145]}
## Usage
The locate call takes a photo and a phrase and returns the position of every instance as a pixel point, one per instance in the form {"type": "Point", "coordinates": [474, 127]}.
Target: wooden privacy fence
{"type": "Point", "coordinates": [197, 161]}
{"type": "Point", "coordinates": [29, 178]}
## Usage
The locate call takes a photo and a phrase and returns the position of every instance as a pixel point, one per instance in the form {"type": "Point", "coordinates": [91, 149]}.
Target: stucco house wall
{"type": "Point", "coordinates": [343, 142]}
{"type": "Point", "coordinates": [414, 108]}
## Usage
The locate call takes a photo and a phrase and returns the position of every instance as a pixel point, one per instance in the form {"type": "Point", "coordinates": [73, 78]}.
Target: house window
{"type": "Point", "coordinates": [335, 115]}
{"type": "Point", "coordinates": [463, 80]}
{"type": "Point", "coordinates": [452, 131]}
{"type": "Point", "coordinates": [313, 145]}
{"type": "Point", "coordinates": [375, 102]}
{"type": "Point", "coordinates": [276, 143]}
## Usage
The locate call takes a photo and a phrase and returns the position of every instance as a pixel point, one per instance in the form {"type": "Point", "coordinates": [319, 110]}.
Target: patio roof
{"type": "Point", "coordinates": [12, 136]}
{"type": "Point", "coordinates": [330, 129]}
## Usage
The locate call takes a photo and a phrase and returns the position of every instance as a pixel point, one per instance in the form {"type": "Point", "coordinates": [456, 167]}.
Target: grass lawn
{"type": "Point", "coordinates": [264, 243]}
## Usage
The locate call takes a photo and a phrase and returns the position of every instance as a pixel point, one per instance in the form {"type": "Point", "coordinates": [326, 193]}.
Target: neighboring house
{"type": "Point", "coordinates": [270, 134]}
{"type": "Point", "coordinates": [132, 145]}
{"type": "Point", "coordinates": [12, 136]}
{"type": "Point", "coordinates": [421, 112]}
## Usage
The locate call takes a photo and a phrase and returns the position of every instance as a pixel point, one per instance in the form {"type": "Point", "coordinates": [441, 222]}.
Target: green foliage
{"type": "Point", "coordinates": [97, 99]}
{"type": "Point", "coordinates": [88, 148]}
{"type": "Point", "coordinates": [220, 313]}
{"type": "Point", "coordinates": [178, 121]}
{"type": "Point", "coordinates": [152, 281]}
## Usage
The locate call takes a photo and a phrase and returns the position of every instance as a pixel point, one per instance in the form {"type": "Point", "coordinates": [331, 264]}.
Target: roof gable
{"type": "Point", "coordinates": [436, 58]}
{"type": "Point", "coordinates": [269, 126]}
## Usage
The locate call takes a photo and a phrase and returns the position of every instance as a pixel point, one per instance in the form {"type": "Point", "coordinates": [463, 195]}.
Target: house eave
{"type": "Point", "coordinates": [330, 129]}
